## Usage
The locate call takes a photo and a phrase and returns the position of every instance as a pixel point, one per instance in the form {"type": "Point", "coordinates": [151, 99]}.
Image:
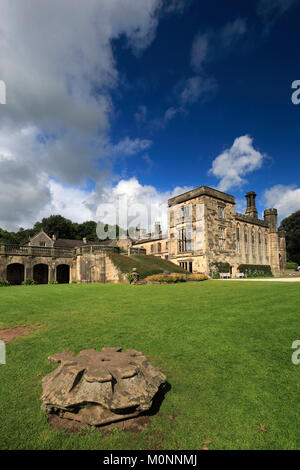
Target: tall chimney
{"type": "Point", "coordinates": [54, 237]}
{"type": "Point", "coordinates": [251, 210]}
{"type": "Point", "coordinates": [84, 240]}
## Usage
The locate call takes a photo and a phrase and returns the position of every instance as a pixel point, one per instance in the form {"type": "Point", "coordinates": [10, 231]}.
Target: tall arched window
{"type": "Point", "coordinates": [238, 248]}
{"type": "Point", "coordinates": [253, 241]}
{"type": "Point", "coordinates": [259, 244]}
{"type": "Point", "coordinates": [159, 247]}
{"type": "Point", "coordinates": [246, 238]}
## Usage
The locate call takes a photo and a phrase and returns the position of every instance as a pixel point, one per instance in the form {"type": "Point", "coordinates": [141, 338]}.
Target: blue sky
{"type": "Point", "coordinates": [148, 100]}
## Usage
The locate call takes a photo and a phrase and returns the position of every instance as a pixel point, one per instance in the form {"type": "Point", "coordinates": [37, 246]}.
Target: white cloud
{"type": "Point", "coordinates": [128, 146]}
{"type": "Point", "coordinates": [286, 199]}
{"type": "Point", "coordinates": [130, 203]}
{"type": "Point", "coordinates": [233, 164]}
{"type": "Point", "coordinates": [196, 87]}
{"type": "Point", "coordinates": [58, 65]}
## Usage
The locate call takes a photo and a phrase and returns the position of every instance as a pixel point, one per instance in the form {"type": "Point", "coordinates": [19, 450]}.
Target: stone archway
{"type": "Point", "coordinates": [63, 273]}
{"type": "Point", "coordinates": [15, 273]}
{"type": "Point", "coordinates": [41, 273]}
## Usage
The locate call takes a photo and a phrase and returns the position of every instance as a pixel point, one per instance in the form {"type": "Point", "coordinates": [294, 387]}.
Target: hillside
{"type": "Point", "coordinates": [146, 265]}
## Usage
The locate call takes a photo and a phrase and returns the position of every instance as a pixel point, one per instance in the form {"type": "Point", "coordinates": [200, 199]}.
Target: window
{"type": "Point", "coordinates": [184, 240]}
{"type": "Point", "coordinates": [238, 248]}
{"type": "Point", "coordinates": [42, 243]}
{"type": "Point", "coordinates": [159, 247]}
{"type": "Point", "coordinates": [259, 243]}
{"type": "Point", "coordinates": [222, 238]}
{"type": "Point", "coordinates": [246, 239]}
{"type": "Point", "coordinates": [152, 248]}
{"type": "Point", "coordinates": [253, 241]}
{"type": "Point", "coordinates": [221, 212]}
{"type": "Point", "coordinates": [167, 245]}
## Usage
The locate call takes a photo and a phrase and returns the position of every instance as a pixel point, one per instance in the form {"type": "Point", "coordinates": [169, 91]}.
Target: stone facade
{"type": "Point", "coordinates": [87, 264]}
{"type": "Point", "coordinates": [204, 229]}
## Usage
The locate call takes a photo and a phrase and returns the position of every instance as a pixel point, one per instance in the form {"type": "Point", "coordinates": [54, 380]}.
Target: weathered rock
{"type": "Point", "coordinates": [100, 387]}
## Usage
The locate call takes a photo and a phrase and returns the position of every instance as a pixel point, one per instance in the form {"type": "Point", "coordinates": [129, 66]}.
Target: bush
{"type": "Point", "coordinates": [291, 265]}
{"type": "Point", "coordinates": [4, 283]}
{"type": "Point", "coordinates": [197, 277]}
{"type": "Point", "coordinates": [217, 268]}
{"type": "Point", "coordinates": [29, 282]}
{"type": "Point", "coordinates": [53, 282]}
{"type": "Point", "coordinates": [255, 270]}
{"type": "Point", "coordinates": [168, 278]}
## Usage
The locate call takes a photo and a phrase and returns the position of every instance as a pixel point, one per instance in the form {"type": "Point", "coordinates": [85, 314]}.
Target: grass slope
{"type": "Point", "coordinates": [146, 265]}
{"type": "Point", "coordinates": [225, 348]}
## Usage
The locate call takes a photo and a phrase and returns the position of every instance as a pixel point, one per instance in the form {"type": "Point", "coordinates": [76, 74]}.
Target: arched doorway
{"type": "Point", "coordinates": [40, 273]}
{"type": "Point", "coordinates": [15, 274]}
{"type": "Point", "coordinates": [63, 274]}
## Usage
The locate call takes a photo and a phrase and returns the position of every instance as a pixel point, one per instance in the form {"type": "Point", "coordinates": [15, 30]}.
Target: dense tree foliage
{"type": "Point", "coordinates": [57, 225]}
{"type": "Point", "coordinates": [291, 225]}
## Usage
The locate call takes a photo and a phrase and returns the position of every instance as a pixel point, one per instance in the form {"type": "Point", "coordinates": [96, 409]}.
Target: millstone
{"type": "Point", "coordinates": [99, 388]}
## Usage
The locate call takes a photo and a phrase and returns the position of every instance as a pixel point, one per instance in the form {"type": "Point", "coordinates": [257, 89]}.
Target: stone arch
{"type": "Point", "coordinates": [15, 273]}
{"type": "Point", "coordinates": [63, 273]}
{"type": "Point", "coordinates": [41, 273]}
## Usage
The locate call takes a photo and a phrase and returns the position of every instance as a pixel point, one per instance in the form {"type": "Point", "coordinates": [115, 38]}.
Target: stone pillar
{"type": "Point", "coordinates": [52, 271]}
{"type": "Point", "coordinates": [3, 268]}
{"type": "Point", "coordinates": [28, 271]}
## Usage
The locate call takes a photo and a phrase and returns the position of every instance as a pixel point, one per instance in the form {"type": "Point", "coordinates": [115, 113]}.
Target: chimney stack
{"type": "Point", "coordinates": [54, 237]}
{"type": "Point", "coordinates": [251, 210]}
{"type": "Point", "coordinates": [84, 240]}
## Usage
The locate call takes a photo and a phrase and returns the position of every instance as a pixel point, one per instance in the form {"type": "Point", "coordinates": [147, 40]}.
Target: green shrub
{"type": "Point", "coordinates": [291, 265]}
{"type": "Point", "coordinates": [53, 282]}
{"type": "Point", "coordinates": [4, 283]}
{"type": "Point", "coordinates": [255, 270]}
{"type": "Point", "coordinates": [218, 267]}
{"type": "Point", "coordinates": [29, 282]}
{"type": "Point", "coordinates": [129, 278]}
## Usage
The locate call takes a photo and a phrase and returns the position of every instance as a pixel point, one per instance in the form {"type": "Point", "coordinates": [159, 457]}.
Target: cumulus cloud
{"type": "Point", "coordinates": [58, 65]}
{"type": "Point", "coordinates": [127, 203]}
{"type": "Point", "coordinates": [286, 199]}
{"type": "Point", "coordinates": [131, 204]}
{"type": "Point", "coordinates": [232, 165]}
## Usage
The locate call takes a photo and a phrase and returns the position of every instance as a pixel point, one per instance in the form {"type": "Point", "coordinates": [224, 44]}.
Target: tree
{"type": "Point", "coordinates": [291, 225]}
{"type": "Point", "coordinates": [57, 225]}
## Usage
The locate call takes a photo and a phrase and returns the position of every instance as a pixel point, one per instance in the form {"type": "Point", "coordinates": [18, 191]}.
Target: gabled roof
{"type": "Point", "coordinates": [36, 235]}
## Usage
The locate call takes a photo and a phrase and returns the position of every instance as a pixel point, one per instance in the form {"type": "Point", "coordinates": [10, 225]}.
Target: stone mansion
{"type": "Point", "coordinates": [203, 229]}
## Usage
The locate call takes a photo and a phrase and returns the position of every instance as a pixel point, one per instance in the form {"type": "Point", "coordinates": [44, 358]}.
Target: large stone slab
{"type": "Point", "coordinates": [98, 388]}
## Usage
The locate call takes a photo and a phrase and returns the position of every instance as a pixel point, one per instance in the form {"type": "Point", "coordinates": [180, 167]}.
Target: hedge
{"type": "Point", "coordinates": [255, 270]}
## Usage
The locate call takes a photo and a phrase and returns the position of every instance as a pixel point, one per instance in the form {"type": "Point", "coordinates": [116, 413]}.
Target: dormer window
{"type": "Point", "coordinates": [42, 243]}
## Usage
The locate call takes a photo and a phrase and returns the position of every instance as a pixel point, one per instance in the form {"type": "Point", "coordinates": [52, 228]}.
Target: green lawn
{"type": "Point", "coordinates": [225, 348]}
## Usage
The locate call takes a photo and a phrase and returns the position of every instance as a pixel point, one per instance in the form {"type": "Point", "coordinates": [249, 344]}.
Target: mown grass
{"type": "Point", "coordinates": [146, 265]}
{"type": "Point", "coordinates": [224, 346]}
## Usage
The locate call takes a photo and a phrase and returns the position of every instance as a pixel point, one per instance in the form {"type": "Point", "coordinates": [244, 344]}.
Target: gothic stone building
{"type": "Point", "coordinates": [204, 229]}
